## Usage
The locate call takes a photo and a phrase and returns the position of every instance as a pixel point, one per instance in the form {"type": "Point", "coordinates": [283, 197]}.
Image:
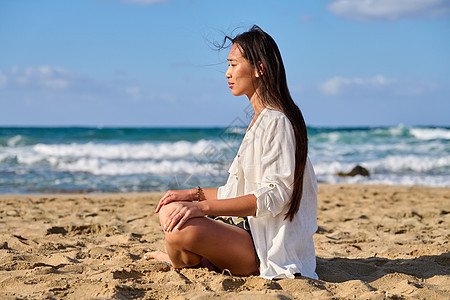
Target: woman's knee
{"type": "Point", "coordinates": [162, 214]}
{"type": "Point", "coordinates": [186, 238]}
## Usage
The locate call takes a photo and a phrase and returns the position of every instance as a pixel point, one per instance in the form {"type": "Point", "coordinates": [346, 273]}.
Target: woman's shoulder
{"type": "Point", "coordinates": [274, 123]}
{"type": "Point", "coordinates": [272, 115]}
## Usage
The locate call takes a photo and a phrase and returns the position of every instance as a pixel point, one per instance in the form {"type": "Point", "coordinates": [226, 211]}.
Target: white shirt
{"type": "Point", "coordinates": [264, 167]}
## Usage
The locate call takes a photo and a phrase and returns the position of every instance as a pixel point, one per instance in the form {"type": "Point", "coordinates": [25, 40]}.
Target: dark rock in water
{"type": "Point", "coordinates": [358, 170]}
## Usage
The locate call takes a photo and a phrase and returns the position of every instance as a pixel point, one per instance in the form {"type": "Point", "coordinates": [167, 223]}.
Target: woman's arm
{"type": "Point", "coordinates": [186, 195]}
{"type": "Point", "coordinates": [180, 212]}
{"type": "Point", "coordinates": [206, 194]}
{"type": "Point", "coordinates": [239, 206]}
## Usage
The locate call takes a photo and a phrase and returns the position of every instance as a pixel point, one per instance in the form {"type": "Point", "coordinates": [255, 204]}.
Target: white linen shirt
{"type": "Point", "coordinates": [264, 167]}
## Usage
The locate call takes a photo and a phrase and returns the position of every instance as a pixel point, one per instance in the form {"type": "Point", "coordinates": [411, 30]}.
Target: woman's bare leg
{"type": "Point", "coordinates": [224, 245]}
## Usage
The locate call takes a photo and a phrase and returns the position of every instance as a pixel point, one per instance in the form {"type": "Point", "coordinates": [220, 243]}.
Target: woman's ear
{"type": "Point", "coordinates": [259, 69]}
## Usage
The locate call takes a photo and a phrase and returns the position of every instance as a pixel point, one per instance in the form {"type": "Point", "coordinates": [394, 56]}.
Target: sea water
{"type": "Point", "coordinates": [48, 160]}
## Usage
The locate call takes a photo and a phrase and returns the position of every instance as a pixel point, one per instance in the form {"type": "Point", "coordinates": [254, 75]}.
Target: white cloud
{"type": "Point", "coordinates": [56, 83]}
{"type": "Point", "coordinates": [52, 82]}
{"type": "Point", "coordinates": [133, 91]}
{"type": "Point", "coordinates": [389, 9]}
{"type": "Point", "coordinates": [143, 2]}
{"type": "Point", "coordinates": [338, 85]}
{"type": "Point", "coordinates": [41, 77]}
{"type": "Point", "coordinates": [168, 97]}
{"type": "Point", "coordinates": [50, 79]}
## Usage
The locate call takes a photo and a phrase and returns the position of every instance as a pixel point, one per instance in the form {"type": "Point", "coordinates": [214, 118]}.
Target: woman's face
{"type": "Point", "coordinates": [241, 76]}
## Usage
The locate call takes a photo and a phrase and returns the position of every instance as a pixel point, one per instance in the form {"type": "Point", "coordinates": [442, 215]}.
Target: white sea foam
{"type": "Point", "coordinates": [391, 179]}
{"type": "Point", "coordinates": [30, 158]}
{"type": "Point", "coordinates": [124, 159]}
{"type": "Point", "coordinates": [14, 140]}
{"type": "Point", "coordinates": [98, 166]}
{"type": "Point", "coordinates": [331, 167]}
{"type": "Point", "coordinates": [131, 151]}
{"type": "Point", "coordinates": [393, 164]}
{"type": "Point", "coordinates": [3, 156]}
{"type": "Point", "coordinates": [399, 130]}
{"type": "Point", "coordinates": [325, 151]}
{"type": "Point", "coordinates": [236, 130]}
{"type": "Point", "coordinates": [430, 133]}
{"type": "Point", "coordinates": [23, 155]}
{"type": "Point", "coordinates": [407, 163]}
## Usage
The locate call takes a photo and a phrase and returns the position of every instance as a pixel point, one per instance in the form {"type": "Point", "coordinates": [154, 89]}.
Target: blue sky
{"type": "Point", "coordinates": [150, 63]}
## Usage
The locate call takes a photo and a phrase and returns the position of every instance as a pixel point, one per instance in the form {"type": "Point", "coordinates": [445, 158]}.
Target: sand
{"type": "Point", "coordinates": [373, 242]}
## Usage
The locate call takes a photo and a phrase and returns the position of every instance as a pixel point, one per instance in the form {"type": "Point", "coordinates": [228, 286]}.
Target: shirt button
{"type": "Point", "coordinates": [236, 178]}
{"type": "Point", "coordinates": [271, 185]}
{"type": "Point", "coordinates": [239, 155]}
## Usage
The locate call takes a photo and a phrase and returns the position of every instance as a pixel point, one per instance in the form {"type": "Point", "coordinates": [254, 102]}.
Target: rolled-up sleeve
{"type": "Point", "coordinates": [275, 174]}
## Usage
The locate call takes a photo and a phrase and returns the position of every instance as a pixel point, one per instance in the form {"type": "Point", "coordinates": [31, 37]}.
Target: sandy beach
{"type": "Point", "coordinates": [373, 242]}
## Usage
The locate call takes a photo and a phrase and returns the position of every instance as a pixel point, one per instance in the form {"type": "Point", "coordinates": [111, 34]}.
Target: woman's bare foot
{"type": "Point", "coordinates": [164, 257]}
{"type": "Point", "coordinates": [157, 255]}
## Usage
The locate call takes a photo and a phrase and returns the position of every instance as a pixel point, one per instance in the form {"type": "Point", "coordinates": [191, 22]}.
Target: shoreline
{"type": "Point", "coordinates": [373, 241]}
{"type": "Point", "coordinates": [156, 193]}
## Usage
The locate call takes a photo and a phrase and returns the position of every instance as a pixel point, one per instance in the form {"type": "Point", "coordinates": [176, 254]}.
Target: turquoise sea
{"type": "Point", "coordinates": [79, 159]}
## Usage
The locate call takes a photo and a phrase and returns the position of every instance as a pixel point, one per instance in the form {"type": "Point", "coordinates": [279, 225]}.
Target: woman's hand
{"type": "Point", "coordinates": [176, 195]}
{"type": "Point", "coordinates": [179, 212]}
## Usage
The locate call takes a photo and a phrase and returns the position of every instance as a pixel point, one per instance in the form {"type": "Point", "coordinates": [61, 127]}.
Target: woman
{"type": "Point", "coordinates": [271, 183]}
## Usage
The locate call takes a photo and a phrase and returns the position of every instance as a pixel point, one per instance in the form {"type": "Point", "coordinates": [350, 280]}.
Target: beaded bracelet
{"type": "Point", "coordinates": [198, 193]}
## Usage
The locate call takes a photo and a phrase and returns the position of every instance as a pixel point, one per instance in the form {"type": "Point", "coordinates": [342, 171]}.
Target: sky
{"type": "Point", "coordinates": [152, 63]}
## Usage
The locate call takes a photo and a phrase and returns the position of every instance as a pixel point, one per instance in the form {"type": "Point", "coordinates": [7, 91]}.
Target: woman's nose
{"type": "Point", "coordinates": [227, 74]}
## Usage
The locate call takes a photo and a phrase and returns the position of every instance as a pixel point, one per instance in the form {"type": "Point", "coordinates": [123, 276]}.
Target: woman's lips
{"type": "Point", "coordinates": [230, 84]}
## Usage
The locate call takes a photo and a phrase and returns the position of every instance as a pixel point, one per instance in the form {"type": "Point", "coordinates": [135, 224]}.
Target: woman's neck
{"type": "Point", "coordinates": [258, 107]}
{"type": "Point", "coordinates": [257, 104]}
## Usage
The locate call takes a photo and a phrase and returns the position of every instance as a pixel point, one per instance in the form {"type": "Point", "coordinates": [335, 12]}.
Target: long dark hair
{"type": "Point", "coordinates": [262, 52]}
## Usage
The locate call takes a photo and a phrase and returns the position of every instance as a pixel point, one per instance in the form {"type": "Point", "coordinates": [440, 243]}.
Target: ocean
{"type": "Point", "coordinates": [79, 159]}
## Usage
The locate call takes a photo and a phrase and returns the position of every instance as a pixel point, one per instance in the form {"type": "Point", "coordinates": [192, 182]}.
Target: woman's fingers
{"type": "Point", "coordinates": [178, 213]}
{"type": "Point", "coordinates": [181, 213]}
{"type": "Point", "coordinates": [169, 219]}
{"type": "Point", "coordinates": [160, 204]}
{"type": "Point", "coordinates": [182, 221]}
{"type": "Point", "coordinates": [179, 218]}
{"type": "Point", "coordinates": [166, 199]}
{"type": "Point", "coordinates": [172, 196]}
{"type": "Point", "coordinates": [173, 220]}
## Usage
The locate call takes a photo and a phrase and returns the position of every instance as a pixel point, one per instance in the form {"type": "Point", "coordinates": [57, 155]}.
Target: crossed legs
{"type": "Point", "coordinates": [225, 246]}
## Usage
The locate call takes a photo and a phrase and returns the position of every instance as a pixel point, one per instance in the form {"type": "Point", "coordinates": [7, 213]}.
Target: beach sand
{"type": "Point", "coordinates": [373, 242]}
